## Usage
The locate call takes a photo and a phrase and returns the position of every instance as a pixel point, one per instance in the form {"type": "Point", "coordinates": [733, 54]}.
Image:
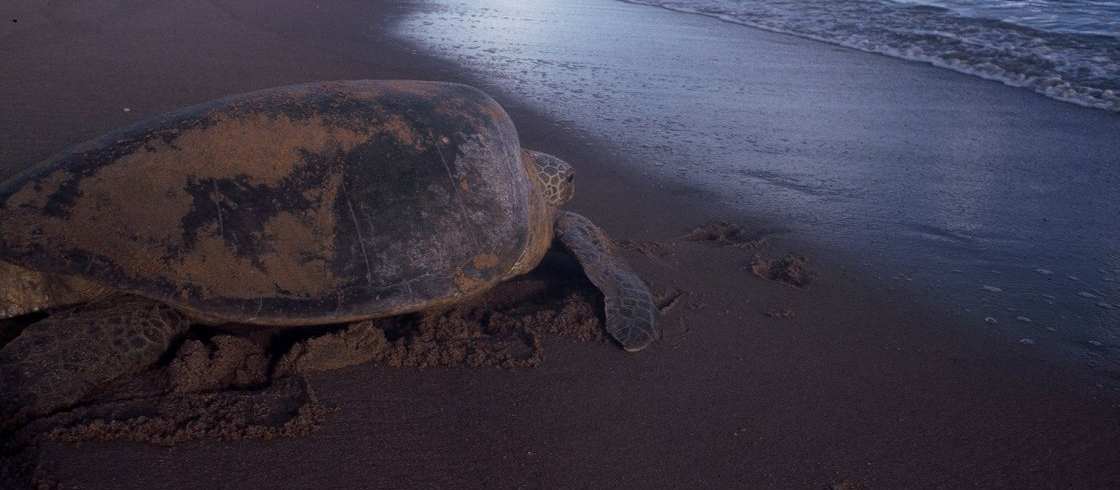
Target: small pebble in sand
{"type": "Point", "coordinates": [1045, 272]}
{"type": "Point", "coordinates": [1026, 341]}
{"type": "Point", "coordinates": [1086, 294]}
{"type": "Point", "coordinates": [1023, 319]}
{"type": "Point", "coordinates": [1094, 343]}
{"type": "Point", "coordinates": [991, 320]}
{"type": "Point", "coordinates": [1107, 306]}
{"type": "Point", "coordinates": [991, 289]}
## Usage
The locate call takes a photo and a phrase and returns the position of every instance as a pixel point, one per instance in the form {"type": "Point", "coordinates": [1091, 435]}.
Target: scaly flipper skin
{"type": "Point", "coordinates": [56, 362]}
{"type": "Point", "coordinates": [628, 303]}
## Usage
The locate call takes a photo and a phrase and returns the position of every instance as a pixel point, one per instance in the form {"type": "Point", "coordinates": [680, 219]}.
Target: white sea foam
{"type": "Point", "coordinates": [1078, 67]}
{"type": "Point", "coordinates": [1069, 16]}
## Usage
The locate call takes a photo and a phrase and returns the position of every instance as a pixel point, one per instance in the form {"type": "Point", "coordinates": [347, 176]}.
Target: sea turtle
{"type": "Point", "coordinates": [301, 205]}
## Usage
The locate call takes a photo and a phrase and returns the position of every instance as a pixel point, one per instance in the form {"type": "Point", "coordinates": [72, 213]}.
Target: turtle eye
{"type": "Point", "coordinates": [570, 178]}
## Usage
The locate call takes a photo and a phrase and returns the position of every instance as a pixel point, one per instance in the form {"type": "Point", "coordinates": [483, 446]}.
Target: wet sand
{"type": "Point", "coordinates": [876, 158]}
{"type": "Point", "coordinates": [756, 383]}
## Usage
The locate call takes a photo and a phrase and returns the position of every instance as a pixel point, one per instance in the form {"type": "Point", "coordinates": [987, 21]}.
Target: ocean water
{"type": "Point", "coordinates": [1065, 49]}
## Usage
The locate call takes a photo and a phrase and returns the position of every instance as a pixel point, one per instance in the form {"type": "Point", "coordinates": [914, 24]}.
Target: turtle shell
{"type": "Point", "coordinates": [306, 204]}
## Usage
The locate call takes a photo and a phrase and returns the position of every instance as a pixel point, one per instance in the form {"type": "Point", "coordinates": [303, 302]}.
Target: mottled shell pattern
{"type": "Point", "coordinates": [314, 203]}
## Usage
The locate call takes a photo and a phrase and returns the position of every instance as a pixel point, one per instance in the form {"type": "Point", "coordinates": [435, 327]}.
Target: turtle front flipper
{"type": "Point", "coordinates": [628, 303]}
{"type": "Point", "coordinates": [57, 361]}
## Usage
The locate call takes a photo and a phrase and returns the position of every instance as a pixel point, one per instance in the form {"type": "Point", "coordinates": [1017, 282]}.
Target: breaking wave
{"type": "Point", "coordinates": [1070, 60]}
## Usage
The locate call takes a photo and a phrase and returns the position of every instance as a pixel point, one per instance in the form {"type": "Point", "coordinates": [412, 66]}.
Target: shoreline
{"type": "Point", "coordinates": [1104, 101]}
{"type": "Point", "coordinates": [937, 184]}
{"type": "Point", "coordinates": [889, 394]}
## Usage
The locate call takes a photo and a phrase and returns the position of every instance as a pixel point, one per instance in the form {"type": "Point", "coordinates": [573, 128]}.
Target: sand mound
{"type": "Point", "coordinates": [476, 334]}
{"type": "Point", "coordinates": [728, 234]}
{"type": "Point", "coordinates": [286, 407]}
{"type": "Point", "coordinates": [236, 381]}
{"type": "Point", "coordinates": [791, 270]}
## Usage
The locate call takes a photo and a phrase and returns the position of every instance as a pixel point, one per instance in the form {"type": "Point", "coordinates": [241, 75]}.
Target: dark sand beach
{"type": "Point", "coordinates": [756, 383]}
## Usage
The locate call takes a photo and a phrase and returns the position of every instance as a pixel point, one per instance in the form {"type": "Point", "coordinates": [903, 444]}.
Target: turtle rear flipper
{"type": "Point", "coordinates": [627, 301]}
{"type": "Point", "coordinates": [56, 362]}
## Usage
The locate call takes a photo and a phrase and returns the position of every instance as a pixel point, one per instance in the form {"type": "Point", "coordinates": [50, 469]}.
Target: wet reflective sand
{"type": "Point", "coordinates": [997, 202]}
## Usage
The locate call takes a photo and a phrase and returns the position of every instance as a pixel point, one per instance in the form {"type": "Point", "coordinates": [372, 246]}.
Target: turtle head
{"type": "Point", "coordinates": [556, 176]}
{"type": "Point", "coordinates": [24, 291]}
